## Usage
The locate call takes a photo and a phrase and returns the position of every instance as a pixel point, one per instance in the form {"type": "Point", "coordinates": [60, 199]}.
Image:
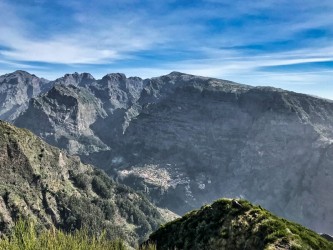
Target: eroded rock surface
{"type": "Point", "coordinates": [16, 89]}
{"type": "Point", "coordinates": [186, 140]}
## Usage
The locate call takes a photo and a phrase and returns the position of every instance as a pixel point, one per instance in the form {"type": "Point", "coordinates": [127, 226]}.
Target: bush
{"type": "Point", "coordinates": [100, 188]}
{"type": "Point", "coordinates": [81, 181]}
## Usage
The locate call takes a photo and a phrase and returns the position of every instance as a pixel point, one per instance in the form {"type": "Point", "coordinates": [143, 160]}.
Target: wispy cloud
{"type": "Point", "coordinates": [95, 39]}
{"type": "Point", "coordinates": [239, 40]}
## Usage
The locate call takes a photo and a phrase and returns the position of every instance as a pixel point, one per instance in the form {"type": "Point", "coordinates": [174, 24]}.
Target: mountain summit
{"type": "Point", "coordinates": [15, 91]}
{"type": "Point", "coordinates": [186, 140]}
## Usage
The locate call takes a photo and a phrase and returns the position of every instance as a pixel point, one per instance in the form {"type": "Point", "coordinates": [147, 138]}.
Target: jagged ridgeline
{"type": "Point", "coordinates": [44, 184]}
{"type": "Point", "coordinates": [235, 224]}
{"type": "Point", "coordinates": [15, 91]}
{"type": "Point", "coordinates": [187, 140]}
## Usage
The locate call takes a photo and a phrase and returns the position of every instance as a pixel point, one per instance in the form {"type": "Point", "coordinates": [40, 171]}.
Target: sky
{"type": "Point", "coordinates": [280, 43]}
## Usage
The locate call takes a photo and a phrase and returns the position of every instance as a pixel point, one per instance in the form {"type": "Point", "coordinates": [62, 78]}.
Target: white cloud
{"type": "Point", "coordinates": [61, 51]}
{"type": "Point", "coordinates": [95, 40]}
{"type": "Point", "coordinates": [107, 38]}
{"type": "Point", "coordinates": [101, 38]}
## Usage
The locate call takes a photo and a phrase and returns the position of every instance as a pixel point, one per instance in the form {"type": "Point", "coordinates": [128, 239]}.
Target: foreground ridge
{"type": "Point", "coordinates": [235, 224]}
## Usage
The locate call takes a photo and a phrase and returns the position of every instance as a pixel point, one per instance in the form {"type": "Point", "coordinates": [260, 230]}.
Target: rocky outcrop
{"type": "Point", "coordinates": [213, 138]}
{"type": "Point", "coordinates": [186, 140]}
{"type": "Point", "coordinates": [231, 224]}
{"type": "Point", "coordinates": [75, 79]}
{"type": "Point", "coordinates": [50, 187]}
{"type": "Point", "coordinates": [63, 117]}
{"type": "Point", "coordinates": [16, 89]}
{"type": "Point", "coordinates": [81, 114]}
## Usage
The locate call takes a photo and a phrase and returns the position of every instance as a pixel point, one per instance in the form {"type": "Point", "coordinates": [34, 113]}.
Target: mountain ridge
{"type": "Point", "coordinates": [44, 184]}
{"type": "Point", "coordinates": [186, 140]}
{"type": "Point", "coordinates": [235, 224]}
{"type": "Point", "coordinates": [15, 91]}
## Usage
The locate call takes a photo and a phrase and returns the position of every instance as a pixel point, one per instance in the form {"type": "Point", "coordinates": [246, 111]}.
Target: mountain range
{"type": "Point", "coordinates": [46, 185]}
{"type": "Point", "coordinates": [186, 140]}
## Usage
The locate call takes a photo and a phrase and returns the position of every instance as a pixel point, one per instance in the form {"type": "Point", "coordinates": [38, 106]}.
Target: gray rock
{"type": "Point", "coordinates": [220, 139]}
{"type": "Point", "coordinates": [63, 117]}
{"type": "Point", "coordinates": [187, 140]}
{"type": "Point", "coordinates": [75, 79]}
{"type": "Point", "coordinates": [15, 91]}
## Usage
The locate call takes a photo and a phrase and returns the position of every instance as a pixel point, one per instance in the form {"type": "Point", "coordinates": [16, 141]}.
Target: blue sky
{"type": "Point", "coordinates": [286, 44]}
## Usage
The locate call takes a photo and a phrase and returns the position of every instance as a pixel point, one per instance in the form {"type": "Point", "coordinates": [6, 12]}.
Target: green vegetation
{"type": "Point", "coordinates": [25, 237]}
{"type": "Point", "coordinates": [235, 224]}
{"type": "Point", "coordinates": [43, 184]}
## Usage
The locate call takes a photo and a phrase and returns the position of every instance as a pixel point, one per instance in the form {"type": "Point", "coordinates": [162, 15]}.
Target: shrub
{"type": "Point", "coordinates": [81, 181]}
{"type": "Point", "coordinates": [100, 188]}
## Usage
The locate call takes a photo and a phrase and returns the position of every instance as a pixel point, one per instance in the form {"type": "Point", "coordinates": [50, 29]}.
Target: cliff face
{"type": "Point", "coordinates": [187, 140]}
{"type": "Point", "coordinates": [235, 224]}
{"type": "Point", "coordinates": [211, 138]}
{"type": "Point", "coordinates": [15, 91]}
{"type": "Point", "coordinates": [63, 117]}
{"type": "Point", "coordinates": [45, 184]}
{"type": "Point", "coordinates": [81, 114]}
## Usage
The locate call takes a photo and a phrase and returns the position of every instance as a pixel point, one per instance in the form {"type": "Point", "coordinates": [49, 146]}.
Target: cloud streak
{"type": "Point", "coordinates": [242, 41]}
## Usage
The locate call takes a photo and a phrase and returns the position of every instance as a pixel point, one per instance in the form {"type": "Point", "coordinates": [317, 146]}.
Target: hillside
{"type": "Point", "coordinates": [45, 184]}
{"type": "Point", "coordinates": [197, 139]}
{"type": "Point", "coordinates": [235, 224]}
{"type": "Point", "coordinates": [186, 140]}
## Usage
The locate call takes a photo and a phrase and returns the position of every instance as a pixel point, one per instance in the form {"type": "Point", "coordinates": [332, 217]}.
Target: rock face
{"type": "Point", "coordinates": [75, 79]}
{"type": "Point", "coordinates": [186, 140]}
{"type": "Point", "coordinates": [82, 114]}
{"type": "Point", "coordinates": [214, 138]}
{"type": "Point", "coordinates": [64, 116]}
{"type": "Point", "coordinates": [231, 224]}
{"type": "Point", "coordinates": [15, 91]}
{"type": "Point", "coordinates": [43, 183]}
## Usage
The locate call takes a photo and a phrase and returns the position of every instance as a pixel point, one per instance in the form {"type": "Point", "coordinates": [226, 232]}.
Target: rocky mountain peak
{"type": "Point", "coordinates": [115, 76]}
{"type": "Point", "coordinates": [175, 73]}
{"type": "Point", "coordinates": [22, 73]}
{"type": "Point", "coordinates": [158, 88]}
{"type": "Point", "coordinates": [86, 75]}
{"type": "Point", "coordinates": [61, 108]}
{"type": "Point", "coordinates": [76, 79]}
{"type": "Point", "coordinates": [17, 77]}
{"type": "Point", "coordinates": [114, 80]}
{"type": "Point", "coordinates": [186, 140]}
{"type": "Point", "coordinates": [15, 91]}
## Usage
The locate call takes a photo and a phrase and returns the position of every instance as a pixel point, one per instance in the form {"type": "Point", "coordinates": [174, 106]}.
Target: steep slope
{"type": "Point", "coordinates": [199, 138]}
{"type": "Point", "coordinates": [41, 182]}
{"type": "Point", "coordinates": [186, 140]}
{"type": "Point", "coordinates": [63, 117]}
{"type": "Point", "coordinates": [15, 91]}
{"type": "Point", "coordinates": [82, 114]}
{"type": "Point", "coordinates": [235, 224]}
{"type": "Point", "coordinates": [75, 79]}
{"type": "Point", "coordinates": [119, 96]}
